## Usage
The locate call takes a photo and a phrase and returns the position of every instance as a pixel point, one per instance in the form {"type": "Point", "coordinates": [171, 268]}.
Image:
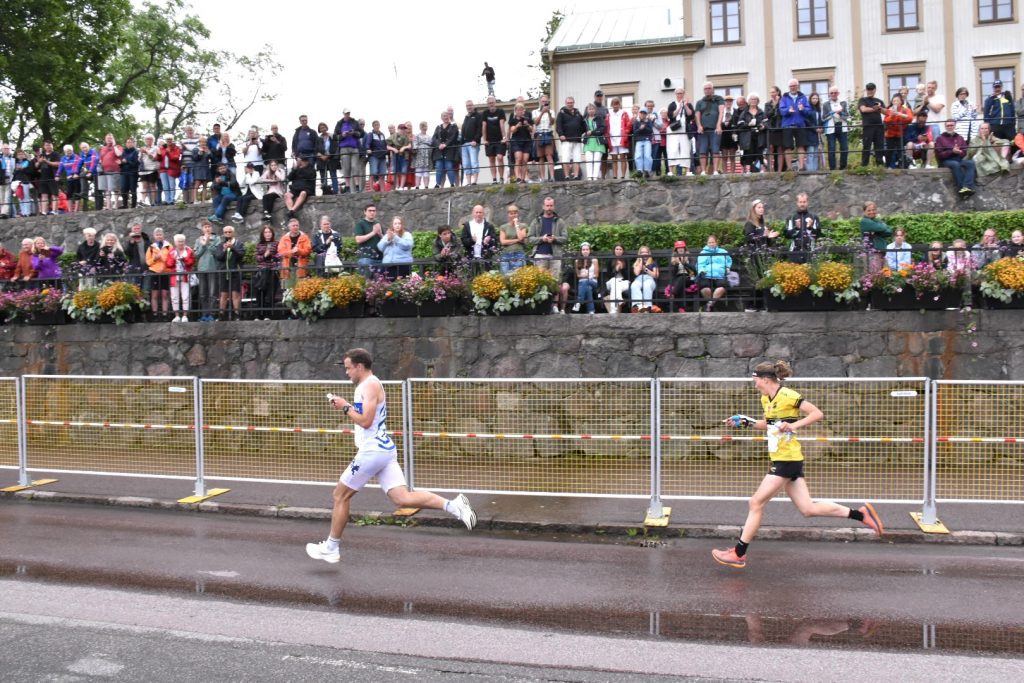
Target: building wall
{"type": "Point", "coordinates": [581, 79]}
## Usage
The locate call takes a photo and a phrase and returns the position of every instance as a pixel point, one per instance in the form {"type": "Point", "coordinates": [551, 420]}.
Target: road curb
{"type": "Point", "coordinates": [431, 519]}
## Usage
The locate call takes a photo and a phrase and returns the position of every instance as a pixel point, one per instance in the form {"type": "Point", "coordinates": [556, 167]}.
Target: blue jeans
{"type": "Point", "coordinates": [644, 162]}
{"type": "Point", "coordinates": [512, 262]}
{"type": "Point", "coordinates": [378, 166]}
{"type": "Point", "coordinates": [442, 166]}
{"type": "Point", "coordinates": [399, 165]}
{"type": "Point", "coordinates": [812, 158]}
{"type": "Point", "coordinates": [641, 291]}
{"type": "Point", "coordinates": [470, 159]}
{"type": "Point", "coordinates": [585, 291]}
{"type": "Point", "coordinates": [844, 150]}
{"type": "Point", "coordinates": [167, 183]}
{"type": "Point", "coordinates": [963, 172]}
{"type": "Point", "coordinates": [221, 201]}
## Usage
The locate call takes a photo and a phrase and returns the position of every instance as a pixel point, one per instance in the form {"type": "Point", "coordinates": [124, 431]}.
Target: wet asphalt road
{"type": "Point", "coordinates": [517, 598]}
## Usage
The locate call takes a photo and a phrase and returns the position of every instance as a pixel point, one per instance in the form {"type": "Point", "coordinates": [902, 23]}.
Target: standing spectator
{"type": "Point", "coordinates": [873, 132]}
{"type": "Point", "coordinates": [512, 237]}
{"type": "Point", "coordinates": [776, 152]}
{"type": "Point", "coordinates": [479, 239]}
{"type": "Point", "coordinates": [472, 130]}
{"type": "Point", "coordinates": [8, 262]}
{"type": "Point", "coordinates": [733, 107]}
{"type": "Point", "coordinates": [990, 153]}
{"type": "Point", "coordinates": [88, 160]}
{"type": "Point", "coordinates": [230, 254]}
{"type": "Point", "coordinates": [304, 139]}
{"type": "Point", "coordinates": [169, 158]}
{"type": "Point", "coordinates": [713, 265]}
{"type": "Point", "coordinates": [160, 283]}
{"type": "Point", "coordinates": [47, 162]}
{"type": "Point", "coordinates": [987, 250]}
{"type": "Point", "coordinates": [683, 273]}
{"type": "Point", "coordinates": [874, 234]}
{"type": "Point", "coordinates": [645, 281]}
{"type": "Point", "coordinates": [494, 137]}
{"type": "Point", "coordinates": [897, 252]}
{"type": "Point", "coordinates": [793, 107]}
{"type": "Point", "coordinates": [812, 132]}
{"type": "Point", "coordinates": [225, 191]}
{"type": "Point", "coordinates": [488, 74]}
{"type": "Point", "coordinates": [619, 128]}
{"type": "Point", "coordinates": [803, 229]}
{"type": "Point", "coordinates": [181, 261]}
{"type": "Point", "coordinates": [349, 135]}
{"type": "Point", "coordinates": [951, 151]}
{"type": "Point", "coordinates": [423, 145]}
{"type": "Point", "coordinates": [934, 105]}
{"type": "Point", "coordinates": [109, 182]}
{"type": "Point", "coordinates": [587, 270]}
{"type": "Point", "coordinates": [757, 234]}
{"type": "Point", "coordinates": [112, 260]}
{"type": "Point", "coordinates": [965, 114]}
{"type": "Point", "coordinates": [677, 144]}
{"type": "Point", "coordinates": [250, 189]}
{"type": "Point", "coordinates": [6, 175]}
{"type": "Point", "coordinates": [751, 135]}
{"type": "Point", "coordinates": [400, 146]}
{"type": "Point", "coordinates": [396, 247]}
{"type": "Point", "coordinates": [897, 117]}
{"type": "Point", "coordinates": [548, 236]}
{"type": "Point", "coordinates": [377, 152]}
{"type": "Point", "coordinates": [265, 280]}
{"type": "Point", "coordinates": [275, 147]}
{"type": "Point", "coordinates": [21, 182]}
{"type": "Point", "coordinates": [225, 154]}
{"type": "Point", "coordinates": [149, 176]}
{"type": "Point", "coordinates": [273, 187]}
{"type": "Point", "coordinates": [294, 250]}
{"type": "Point", "coordinates": [359, 170]}
{"type": "Point", "coordinates": [303, 186]}
{"type": "Point", "coordinates": [201, 160]}
{"type": "Point", "coordinates": [206, 265]}
{"type": "Point", "coordinates": [520, 129]}
{"type": "Point", "coordinates": [46, 263]}
{"type": "Point", "coordinates": [326, 247]}
{"type": "Point", "coordinates": [544, 131]}
{"type": "Point", "coordinates": [137, 246]}
{"type": "Point", "coordinates": [252, 149]}
{"type": "Point", "coordinates": [87, 256]}
{"type": "Point", "coordinates": [643, 133]}
{"type": "Point", "coordinates": [129, 174]}
{"type": "Point", "coordinates": [367, 233]}
{"type": "Point", "coordinates": [594, 138]}
{"type": "Point", "coordinates": [446, 150]}
{"type": "Point", "coordinates": [186, 181]}
{"type": "Point", "coordinates": [447, 250]}
{"type": "Point", "coordinates": [213, 139]}
{"type": "Point", "coordinates": [999, 112]}
{"type": "Point", "coordinates": [836, 115]}
{"type": "Point", "coordinates": [1018, 108]}
{"type": "Point", "coordinates": [658, 123]}
{"type": "Point", "coordinates": [569, 125]}
{"type": "Point", "coordinates": [24, 271]}
{"type": "Point", "coordinates": [326, 159]}
{"type": "Point", "coordinates": [709, 114]}
{"type": "Point", "coordinates": [66, 172]}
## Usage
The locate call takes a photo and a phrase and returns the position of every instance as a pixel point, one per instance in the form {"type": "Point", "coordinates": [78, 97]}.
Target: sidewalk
{"type": "Point", "coordinates": [976, 524]}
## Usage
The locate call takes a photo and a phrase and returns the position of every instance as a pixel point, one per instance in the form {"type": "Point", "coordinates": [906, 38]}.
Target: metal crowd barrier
{"type": "Point", "coordinates": [892, 440]}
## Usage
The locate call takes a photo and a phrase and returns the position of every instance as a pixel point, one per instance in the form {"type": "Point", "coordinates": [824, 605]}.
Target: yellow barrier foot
{"type": "Point", "coordinates": [937, 528]}
{"type": "Point", "coordinates": [405, 512]}
{"type": "Point", "coordinates": [35, 482]}
{"type": "Point", "coordinates": [199, 499]}
{"type": "Point", "coordinates": [659, 521]}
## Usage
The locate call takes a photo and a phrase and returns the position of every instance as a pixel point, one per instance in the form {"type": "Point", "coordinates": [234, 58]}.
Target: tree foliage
{"type": "Point", "coordinates": [545, 62]}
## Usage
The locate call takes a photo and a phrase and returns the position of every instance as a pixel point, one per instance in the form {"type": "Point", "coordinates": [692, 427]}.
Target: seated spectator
{"type": "Point", "coordinates": [713, 266]}
{"type": "Point", "coordinates": [897, 252]}
{"type": "Point", "coordinates": [1014, 247]}
{"type": "Point", "coordinates": [251, 188]}
{"type": "Point", "coordinates": [396, 247]}
{"type": "Point", "coordinates": [935, 256]}
{"type": "Point", "coordinates": [986, 251]}
{"type": "Point", "coordinates": [990, 154]}
{"type": "Point", "coordinates": [587, 270]}
{"type": "Point", "coordinates": [24, 270]}
{"type": "Point", "coordinates": [8, 263]}
{"type": "Point", "coordinates": [645, 281]}
{"type": "Point", "coordinates": [683, 273]}
{"type": "Point", "coordinates": [273, 187]}
{"type": "Point", "coordinates": [617, 285]}
{"type": "Point", "coordinates": [181, 260]}
{"type": "Point", "coordinates": [447, 250]}
{"type": "Point", "coordinates": [917, 141]}
{"type": "Point", "coordinates": [958, 259]}
{"type": "Point", "coordinates": [303, 186]}
{"type": "Point", "coordinates": [225, 191]}
{"type": "Point", "coordinates": [951, 151]}
{"type": "Point", "coordinates": [112, 260]}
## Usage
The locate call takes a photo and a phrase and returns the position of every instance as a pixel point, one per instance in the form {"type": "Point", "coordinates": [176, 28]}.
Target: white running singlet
{"type": "Point", "coordinates": [376, 437]}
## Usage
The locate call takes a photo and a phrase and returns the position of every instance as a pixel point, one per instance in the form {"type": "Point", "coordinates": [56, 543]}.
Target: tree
{"type": "Point", "coordinates": [545, 61]}
{"type": "Point", "coordinates": [242, 83]}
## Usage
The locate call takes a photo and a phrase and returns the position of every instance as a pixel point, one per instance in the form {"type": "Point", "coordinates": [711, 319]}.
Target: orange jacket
{"type": "Point", "coordinates": [156, 257]}
{"type": "Point", "coordinates": [896, 122]}
{"type": "Point", "coordinates": [299, 256]}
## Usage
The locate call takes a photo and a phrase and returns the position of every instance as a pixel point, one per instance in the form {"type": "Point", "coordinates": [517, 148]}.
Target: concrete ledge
{"type": "Point", "coordinates": [436, 520]}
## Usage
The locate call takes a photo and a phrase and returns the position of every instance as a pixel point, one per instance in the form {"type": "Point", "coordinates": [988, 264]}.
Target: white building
{"type": "Point", "coordinates": [641, 53]}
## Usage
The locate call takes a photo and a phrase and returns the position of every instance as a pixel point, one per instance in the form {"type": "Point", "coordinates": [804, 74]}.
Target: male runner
{"type": "Point", "coordinates": [376, 457]}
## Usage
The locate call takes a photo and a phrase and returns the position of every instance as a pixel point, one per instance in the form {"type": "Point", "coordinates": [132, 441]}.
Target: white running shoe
{"type": "Point", "coordinates": [466, 513]}
{"type": "Point", "coordinates": [319, 551]}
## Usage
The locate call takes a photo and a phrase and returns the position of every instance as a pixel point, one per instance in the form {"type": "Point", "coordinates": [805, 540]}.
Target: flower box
{"type": "Point", "coordinates": [804, 301]}
{"type": "Point", "coordinates": [356, 309]}
{"type": "Point", "coordinates": [1015, 303]}
{"type": "Point", "coordinates": [428, 309]}
{"type": "Point", "coordinates": [47, 318]}
{"type": "Point", "coordinates": [908, 300]}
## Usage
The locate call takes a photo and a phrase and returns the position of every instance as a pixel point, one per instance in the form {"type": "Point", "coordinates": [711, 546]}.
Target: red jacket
{"type": "Point", "coordinates": [188, 261]}
{"type": "Point", "coordinates": [169, 160]}
{"type": "Point", "coordinates": [627, 129]}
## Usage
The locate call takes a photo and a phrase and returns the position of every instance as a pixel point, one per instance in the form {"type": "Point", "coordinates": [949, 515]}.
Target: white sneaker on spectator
{"type": "Point", "coordinates": [554, 308]}
{"type": "Point", "coordinates": [576, 308]}
{"type": "Point", "coordinates": [237, 217]}
{"type": "Point", "coordinates": [466, 514]}
{"type": "Point", "coordinates": [319, 551]}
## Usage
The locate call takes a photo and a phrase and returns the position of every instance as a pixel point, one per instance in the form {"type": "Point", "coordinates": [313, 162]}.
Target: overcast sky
{"type": "Point", "coordinates": [396, 61]}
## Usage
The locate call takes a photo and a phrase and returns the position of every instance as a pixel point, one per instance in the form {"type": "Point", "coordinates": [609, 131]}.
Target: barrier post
{"type": "Point", "coordinates": [197, 420]}
{"type": "Point", "coordinates": [929, 514]}
{"type": "Point", "coordinates": [408, 450]}
{"type": "Point", "coordinates": [655, 512]}
{"type": "Point", "coordinates": [19, 388]}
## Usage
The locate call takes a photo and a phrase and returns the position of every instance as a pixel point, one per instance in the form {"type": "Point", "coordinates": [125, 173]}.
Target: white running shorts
{"type": "Point", "coordinates": [369, 464]}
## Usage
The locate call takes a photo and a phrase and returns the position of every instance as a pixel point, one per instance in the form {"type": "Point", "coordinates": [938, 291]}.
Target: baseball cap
{"type": "Point", "coordinates": [870, 86]}
{"type": "Point", "coordinates": [598, 93]}
{"type": "Point", "coordinates": [643, 110]}
{"type": "Point", "coordinates": [346, 110]}
{"type": "Point", "coordinates": [680, 244]}
{"type": "Point", "coordinates": [997, 84]}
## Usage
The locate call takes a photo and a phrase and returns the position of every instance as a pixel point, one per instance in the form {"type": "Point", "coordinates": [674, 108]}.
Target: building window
{"type": "Point", "coordinates": [910, 81]}
{"type": "Point", "coordinates": [725, 21]}
{"type": "Point", "coordinates": [817, 85]}
{"type": "Point", "coordinates": [901, 15]}
{"type": "Point", "coordinates": [1006, 74]}
{"type": "Point", "coordinates": [734, 90]}
{"type": "Point", "coordinates": [995, 10]}
{"type": "Point", "coordinates": [811, 18]}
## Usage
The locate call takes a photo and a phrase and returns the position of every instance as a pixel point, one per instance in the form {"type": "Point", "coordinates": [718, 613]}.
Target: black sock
{"type": "Point", "coordinates": [741, 548]}
{"type": "Point", "coordinates": [857, 515]}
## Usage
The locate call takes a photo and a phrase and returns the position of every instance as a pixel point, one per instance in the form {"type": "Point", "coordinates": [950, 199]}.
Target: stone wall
{"type": "Point", "coordinates": [673, 200]}
{"type": "Point", "coordinates": [855, 344]}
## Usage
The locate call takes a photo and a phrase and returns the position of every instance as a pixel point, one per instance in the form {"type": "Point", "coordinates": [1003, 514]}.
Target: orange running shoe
{"type": "Point", "coordinates": [729, 557]}
{"type": "Point", "coordinates": [872, 519]}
